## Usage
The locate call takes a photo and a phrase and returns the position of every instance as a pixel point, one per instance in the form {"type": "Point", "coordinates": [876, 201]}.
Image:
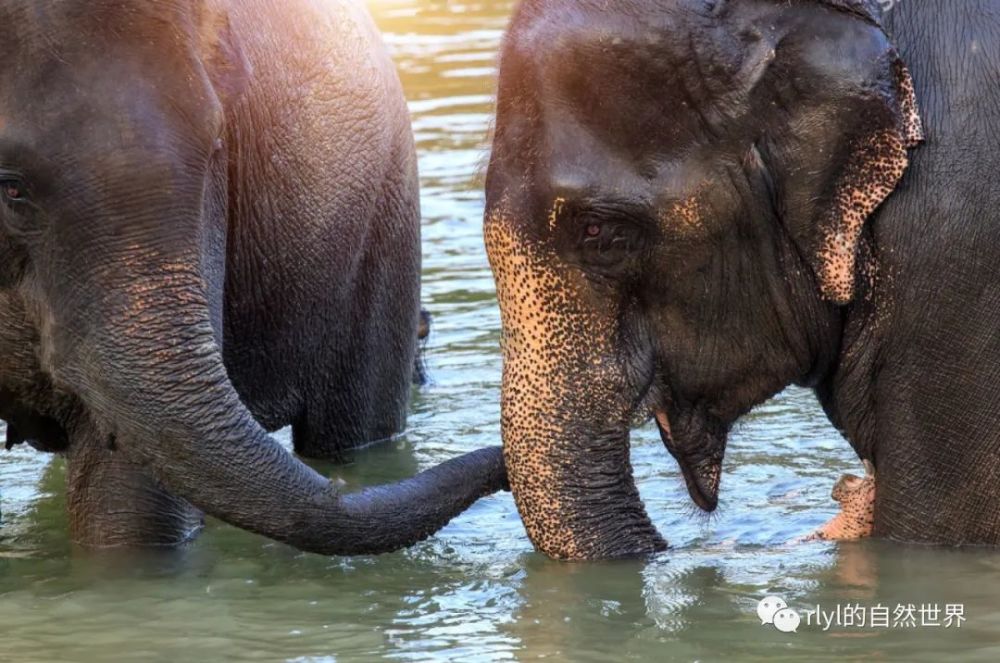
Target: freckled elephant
{"type": "Point", "coordinates": [209, 229]}
{"type": "Point", "coordinates": [731, 197]}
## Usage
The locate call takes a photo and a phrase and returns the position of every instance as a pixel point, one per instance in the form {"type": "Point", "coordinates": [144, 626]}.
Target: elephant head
{"type": "Point", "coordinates": [675, 211]}
{"type": "Point", "coordinates": [114, 154]}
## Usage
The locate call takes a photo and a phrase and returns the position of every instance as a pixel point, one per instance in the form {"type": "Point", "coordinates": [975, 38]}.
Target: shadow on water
{"type": "Point", "coordinates": [477, 591]}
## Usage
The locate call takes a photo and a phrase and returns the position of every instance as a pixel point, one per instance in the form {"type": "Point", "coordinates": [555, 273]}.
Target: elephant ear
{"type": "Point", "coordinates": [222, 53]}
{"type": "Point", "coordinates": [841, 114]}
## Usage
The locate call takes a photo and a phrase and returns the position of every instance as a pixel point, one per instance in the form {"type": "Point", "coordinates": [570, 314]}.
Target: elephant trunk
{"type": "Point", "coordinates": [245, 478]}
{"type": "Point", "coordinates": [162, 386]}
{"type": "Point", "coordinates": [566, 408]}
{"type": "Point", "coordinates": [572, 482]}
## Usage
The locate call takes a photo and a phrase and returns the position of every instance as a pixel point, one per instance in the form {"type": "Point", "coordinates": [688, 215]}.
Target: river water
{"type": "Point", "coordinates": [477, 591]}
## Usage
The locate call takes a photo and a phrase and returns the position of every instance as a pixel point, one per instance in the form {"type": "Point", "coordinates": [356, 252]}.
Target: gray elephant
{"type": "Point", "coordinates": [208, 230]}
{"type": "Point", "coordinates": [730, 197]}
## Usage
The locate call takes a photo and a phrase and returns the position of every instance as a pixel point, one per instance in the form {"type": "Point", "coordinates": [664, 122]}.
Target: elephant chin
{"type": "Point", "coordinates": [702, 474]}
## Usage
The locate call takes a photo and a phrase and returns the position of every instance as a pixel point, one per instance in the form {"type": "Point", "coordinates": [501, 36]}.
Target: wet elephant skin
{"type": "Point", "coordinates": [729, 198]}
{"type": "Point", "coordinates": [209, 229]}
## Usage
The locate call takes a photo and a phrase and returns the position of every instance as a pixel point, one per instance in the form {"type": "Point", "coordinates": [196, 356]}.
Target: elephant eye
{"type": "Point", "coordinates": [607, 243]}
{"type": "Point", "coordinates": [13, 191]}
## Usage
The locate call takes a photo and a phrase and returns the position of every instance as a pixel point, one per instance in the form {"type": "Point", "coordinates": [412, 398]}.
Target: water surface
{"type": "Point", "coordinates": [477, 591]}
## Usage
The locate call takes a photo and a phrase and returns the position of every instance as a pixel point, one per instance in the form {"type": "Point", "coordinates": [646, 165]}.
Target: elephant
{"type": "Point", "coordinates": [735, 196]}
{"type": "Point", "coordinates": [209, 230]}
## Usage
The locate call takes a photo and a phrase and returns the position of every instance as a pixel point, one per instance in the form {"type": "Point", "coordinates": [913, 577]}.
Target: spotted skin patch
{"type": "Point", "coordinates": [711, 476]}
{"type": "Point", "coordinates": [555, 213]}
{"type": "Point", "coordinates": [873, 172]}
{"type": "Point", "coordinates": [684, 215]}
{"type": "Point", "coordinates": [913, 125]}
{"type": "Point", "coordinates": [856, 519]}
{"type": "Point", "coordinates": [560, 382]}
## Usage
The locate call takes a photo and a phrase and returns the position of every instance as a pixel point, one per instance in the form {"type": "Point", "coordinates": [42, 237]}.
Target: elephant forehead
{"type": "Point", "coordinates": [644, 85]}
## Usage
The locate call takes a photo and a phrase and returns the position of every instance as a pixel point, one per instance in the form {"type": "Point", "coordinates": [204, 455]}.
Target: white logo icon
{"type": "Point", "coordinates": [768, 608]}
{"type": "Point", "coordinates": [787, 620]}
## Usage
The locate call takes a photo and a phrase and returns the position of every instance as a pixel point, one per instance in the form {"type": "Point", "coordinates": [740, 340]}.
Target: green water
{"type": "Point", "coordinates": [477, 591]}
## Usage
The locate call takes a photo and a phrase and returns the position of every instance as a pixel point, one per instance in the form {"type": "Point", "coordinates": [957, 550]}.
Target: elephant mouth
{"type": "Point", "coordinates": [702, 475]}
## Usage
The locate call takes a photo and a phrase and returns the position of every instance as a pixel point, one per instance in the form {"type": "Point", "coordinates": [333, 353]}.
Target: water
{"type": "Point", "coordinates": [477, 591]}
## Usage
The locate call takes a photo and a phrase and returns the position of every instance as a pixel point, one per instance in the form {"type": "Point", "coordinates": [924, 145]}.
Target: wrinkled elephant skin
{"type": "Point", "coordinates": [732, 197]}
{"type": "Point", "coordinates": [209, 229]}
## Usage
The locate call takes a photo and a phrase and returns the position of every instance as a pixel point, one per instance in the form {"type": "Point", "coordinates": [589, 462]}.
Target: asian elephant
{"type": "Point", "coordinates": [692, 204]}
{"type": "Point", "coordinates": [209, 229]}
